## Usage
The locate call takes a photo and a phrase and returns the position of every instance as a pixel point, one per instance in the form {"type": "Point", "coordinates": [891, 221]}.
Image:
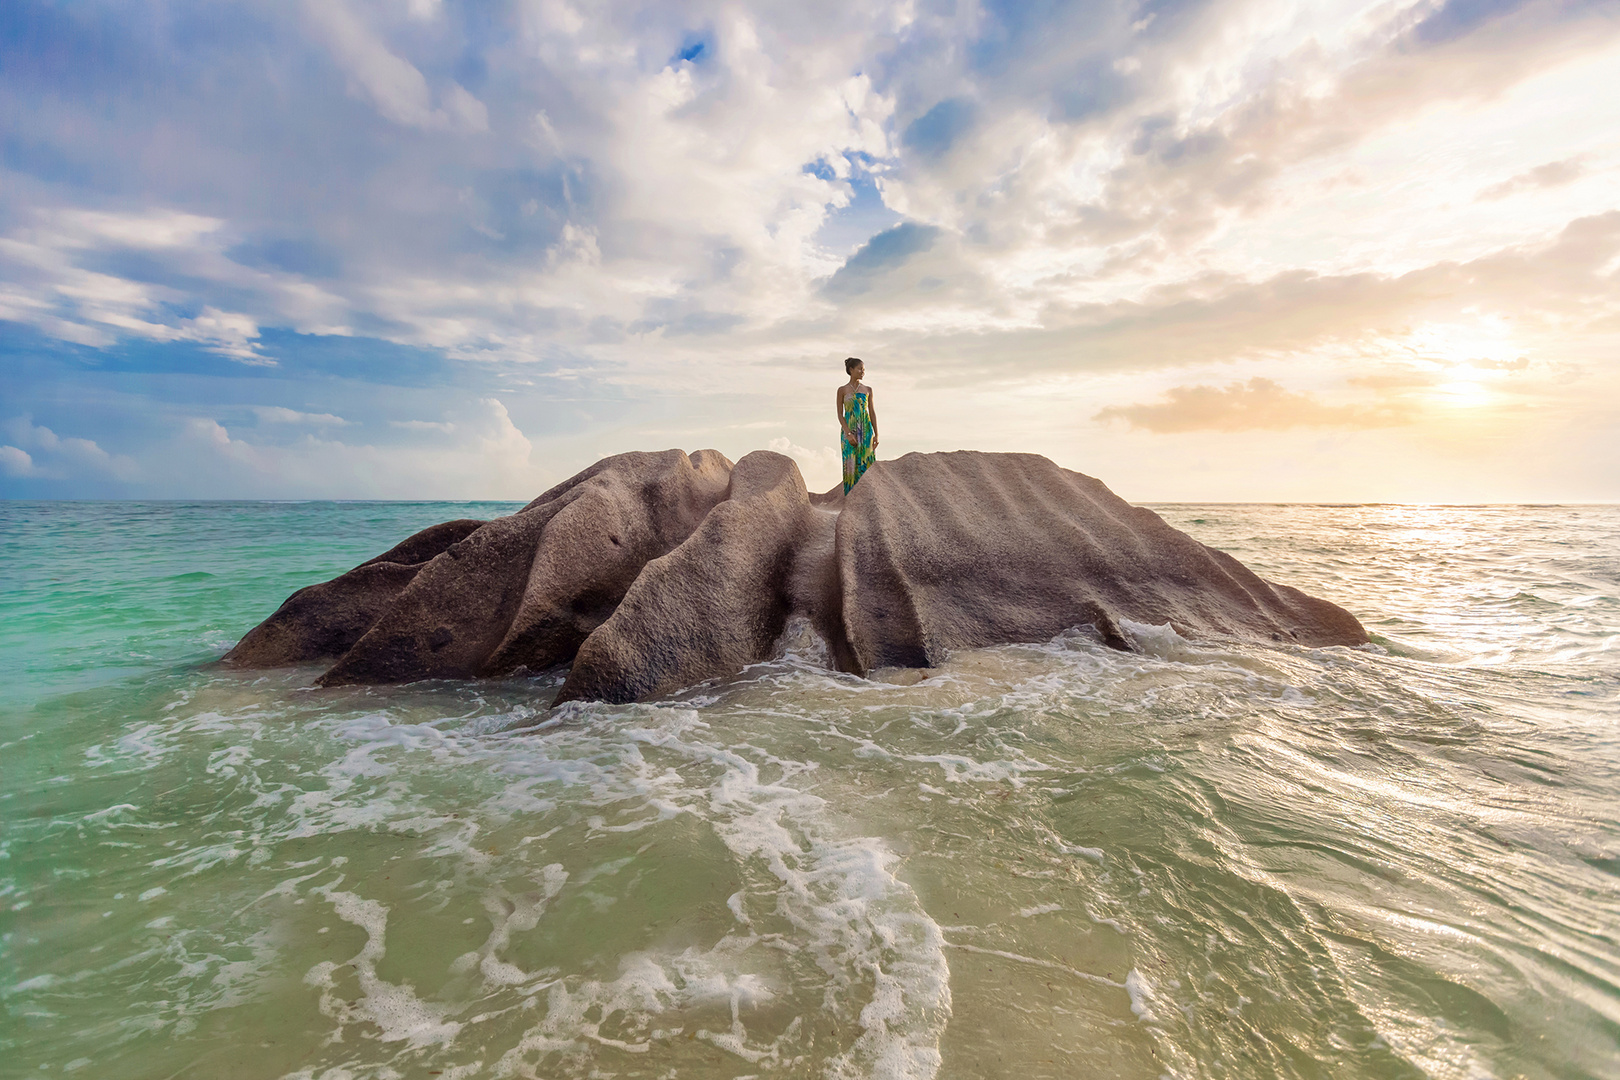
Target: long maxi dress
{"type": "Point", "coordinates": [858, 454]}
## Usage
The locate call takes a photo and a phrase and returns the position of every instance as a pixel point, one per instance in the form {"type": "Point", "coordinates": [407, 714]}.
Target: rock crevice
{"type": "Point", "coordinates": [649, 572]}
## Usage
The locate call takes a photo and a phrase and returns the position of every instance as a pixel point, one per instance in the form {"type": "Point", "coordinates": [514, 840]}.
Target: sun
{"type": "Point", "coordinates": [1463, 394]}
{"type": "Point", "coordinates": [1468, 360]}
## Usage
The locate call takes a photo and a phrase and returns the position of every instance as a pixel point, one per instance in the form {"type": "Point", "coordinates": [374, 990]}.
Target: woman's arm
{"type": "Point", "coordinates": [838, 408]}
{"type": "Point", "coordinates": [871, 407]}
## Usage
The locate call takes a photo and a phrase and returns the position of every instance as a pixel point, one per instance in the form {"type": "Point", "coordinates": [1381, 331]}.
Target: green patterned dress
{"type": "Point", "coordinates": [858, 454]}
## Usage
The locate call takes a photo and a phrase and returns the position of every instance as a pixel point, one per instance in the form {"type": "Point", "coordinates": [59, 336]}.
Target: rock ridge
{"type": "Point", "coordinates": [649, 572]}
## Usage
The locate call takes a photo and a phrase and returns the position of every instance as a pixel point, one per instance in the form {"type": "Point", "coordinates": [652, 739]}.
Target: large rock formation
{"type": "Point", "coordinates": [650, 572]}
{"type": "Point", "coordinates": [961, 550]}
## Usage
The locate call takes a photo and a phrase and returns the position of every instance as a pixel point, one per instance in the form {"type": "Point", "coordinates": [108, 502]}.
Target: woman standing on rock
{"type": "Point", "coordinates": [857, 417]}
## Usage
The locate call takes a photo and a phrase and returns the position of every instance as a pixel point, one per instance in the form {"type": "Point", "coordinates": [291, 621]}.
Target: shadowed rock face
{"type": "Point", "coordinates": [326, 620]}
{"type": "Point", "coordinates": [651, 572]}
{"type": "Point", "coordinates": [713, 605]}
{"type": "Point", "coordinates": [486, 598]}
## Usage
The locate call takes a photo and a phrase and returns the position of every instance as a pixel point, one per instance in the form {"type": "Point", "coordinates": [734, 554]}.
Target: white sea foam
{"type": "Point", "coordinates": [1038, 909]}
{"type": "Point", "coordinates": [1161, 641]}
{"type": "Point", "coordinates": [1076, 849]}
{"type": "Point", "coordinates": [120, 808]}
{"type": "Point", "coordinates": [800, 646]}
{"type": "Point", "coordinates": [881, 955]}
{"type": "Point", "coordinates": [1035, 961]}
{"type": "Point", "coordinates": [514, 913]}
{"type": "Point", "coordinates": [1141, 989]}
{"type": "Point", "coordinates": [961, 769]}
{"type": "Point", "coordinates": [393, 1008]}
{"type": "Point", "coordinates": [853, 913]}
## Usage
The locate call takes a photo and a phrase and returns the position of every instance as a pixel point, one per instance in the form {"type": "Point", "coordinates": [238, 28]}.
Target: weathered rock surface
{"type": "Point", "coordinates": [325, 621]}
{"type": "Point", "coordinates": [948, 551]}
{"type": "Point", "coordinates": [713, 605]}
{"type": "Point", "coordinates": [486, 598]}
{"type": "Point", "coordinates": [650, 572]}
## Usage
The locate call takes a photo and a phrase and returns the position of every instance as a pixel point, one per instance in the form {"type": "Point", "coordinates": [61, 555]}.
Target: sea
{"type": "Point", "coordinates": [1202, 859]}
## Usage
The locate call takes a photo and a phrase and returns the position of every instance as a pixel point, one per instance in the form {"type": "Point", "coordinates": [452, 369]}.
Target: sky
{"type": "Point", "coordinates": [1205, 250]}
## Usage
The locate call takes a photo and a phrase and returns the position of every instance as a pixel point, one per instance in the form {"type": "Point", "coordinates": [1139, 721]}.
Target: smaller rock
{"type": "Point", "coordinates": [525, 590]}
{"type": "Point", "coordinates": [326, 620]}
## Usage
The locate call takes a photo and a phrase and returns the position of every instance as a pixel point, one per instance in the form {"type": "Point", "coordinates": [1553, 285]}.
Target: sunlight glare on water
{"type": "Point", "coordinates": [1044, 860]}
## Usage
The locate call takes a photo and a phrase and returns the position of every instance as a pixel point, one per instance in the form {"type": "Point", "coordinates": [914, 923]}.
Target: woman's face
{"type": "Point", "coordinates": [858, 372]}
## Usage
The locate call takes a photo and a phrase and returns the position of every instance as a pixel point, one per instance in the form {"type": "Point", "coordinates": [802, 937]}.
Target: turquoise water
{"type": "Point", "coordinates": [1045, 860]}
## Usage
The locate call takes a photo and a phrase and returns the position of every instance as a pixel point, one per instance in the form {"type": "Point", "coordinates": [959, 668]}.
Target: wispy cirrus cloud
{"type": "Point", "coordinates": [278, 414]}
{"type": "Point", "coordinates": [443, 426]}
{"type": "Point", "coordinates": [1552, 174]}
{"type": "Point", "coordinates": [390, 82]}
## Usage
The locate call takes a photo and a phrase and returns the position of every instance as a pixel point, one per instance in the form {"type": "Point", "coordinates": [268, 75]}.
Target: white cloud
{"type": "Point", "coordinates": [392, 83]}
{"type": "Point", "coordinates": [276, 414]}
{"type": "Point", "coordinates": [1259, 404]}
{"type": "Point", "coordinates": [224, 332]}
{"type": "Point", "coordinates": [154, 230]}
{"type": "Point", "coordinates": [489, 458]}
{"type": "Point", "coordinates": [16, 462]}
{"type": "Point", "coordinates": [57, 458]}
{"type": "Point", "coordinates": [821, 468]}
{"type": "Point", "coordinates": [1551, 174]}
{"type": "Point", "coordinates": [50, 289]}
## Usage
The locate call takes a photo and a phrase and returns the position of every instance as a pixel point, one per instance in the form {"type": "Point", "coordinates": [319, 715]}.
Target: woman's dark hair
{"type": "Point", "coordinates": [849, 363]}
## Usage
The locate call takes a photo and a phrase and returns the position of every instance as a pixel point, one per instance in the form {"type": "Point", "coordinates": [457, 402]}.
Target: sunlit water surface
{"type": "Point", "coordinates": [1046, 860]}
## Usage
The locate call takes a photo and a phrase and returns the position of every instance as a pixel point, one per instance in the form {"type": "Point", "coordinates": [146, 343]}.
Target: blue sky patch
{"type": "Point", "coordinates": [694, 49]}
{"type": "Point", "coordinates": [934, 132]}
{"type": "Point", "coordinates": [879, 255]}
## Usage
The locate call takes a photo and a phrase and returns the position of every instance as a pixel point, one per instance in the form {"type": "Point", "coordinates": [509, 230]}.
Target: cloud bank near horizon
{"type": "Point", "coordinates": [439, 249]}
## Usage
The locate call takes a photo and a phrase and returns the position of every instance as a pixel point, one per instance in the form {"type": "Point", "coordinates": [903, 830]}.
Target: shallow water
{"type": "Point", "coordinates": [1044, 860]}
